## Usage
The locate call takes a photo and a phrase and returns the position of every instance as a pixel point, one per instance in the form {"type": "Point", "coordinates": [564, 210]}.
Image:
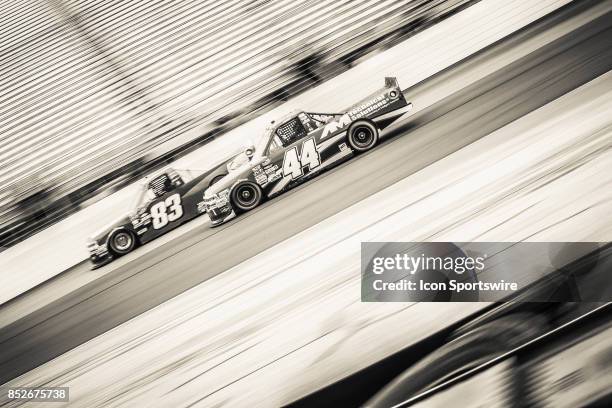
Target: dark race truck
{"type": "Point", "coordinates": [165, 201]}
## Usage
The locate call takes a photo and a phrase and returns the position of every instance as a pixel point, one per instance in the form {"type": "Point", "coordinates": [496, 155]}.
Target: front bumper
{"type": "Point", "coordinates": [221, 217]}
{"type": "Point", "coordinates": [218, 208]}
{"type": "Point", "coordinates": [98, 254]}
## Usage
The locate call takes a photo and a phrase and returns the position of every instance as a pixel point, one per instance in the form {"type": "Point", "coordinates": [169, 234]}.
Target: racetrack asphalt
{"type": "Point", "coordinates": [139, 283]}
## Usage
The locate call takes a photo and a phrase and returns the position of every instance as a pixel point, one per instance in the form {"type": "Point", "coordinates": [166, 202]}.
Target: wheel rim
{"type": "Point", "coordinates": [363, 136]}
{"type": "Point", "coordinates": [246, 195]}
{"type": "Point", "coordinates": [122, 241]}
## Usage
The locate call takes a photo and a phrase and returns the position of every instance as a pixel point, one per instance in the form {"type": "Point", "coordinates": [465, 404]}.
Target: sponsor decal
{"type": "Point", "coordinates": [140, 219]}
{"type": "Point", "coordinates": [260, 176]}
{"type": "Point", "coordinates": [306, 122]}
{"type": "Point", "coordinates": [201, 206]}
{"type": "Point", "coordinates": [367, 108]}
{"type": "Point", "coordinates": [217, 201]}
{"type": "Point", "coordinates": [321, 117]}
{"type": "Point", "coordinates": [336, 125]}
{"type": "Point", "coordinates": [274, 177]}
{"type": "Point", "coordinates": [273, 172]}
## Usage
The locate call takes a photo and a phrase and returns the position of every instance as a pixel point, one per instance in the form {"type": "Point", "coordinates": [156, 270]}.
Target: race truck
{"type": "Point", "coordinates": [164, 201]}
{"type": "Point", "coordinates": [302, 145]}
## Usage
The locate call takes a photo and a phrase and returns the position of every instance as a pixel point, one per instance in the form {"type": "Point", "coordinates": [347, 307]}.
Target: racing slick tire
{"type": "Point", "coordinates": [122, 242]}
{"type": "Point", "coordinates": [246, 196]}
{"type": "Point", "coordinates": [362, 136]}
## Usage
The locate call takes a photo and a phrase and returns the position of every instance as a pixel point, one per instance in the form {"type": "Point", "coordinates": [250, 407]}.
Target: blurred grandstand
{"type": "Point", "coordinates": [95, 93]}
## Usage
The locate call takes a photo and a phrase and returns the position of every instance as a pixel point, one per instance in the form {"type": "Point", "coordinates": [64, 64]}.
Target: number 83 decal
{"type": "Point", "coordinates": [293, 164]}
{"type": "Point", "coordinates": [166, 211]}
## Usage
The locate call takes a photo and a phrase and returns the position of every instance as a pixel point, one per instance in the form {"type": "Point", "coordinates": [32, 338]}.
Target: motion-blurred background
{"type": "Point", "coordinates": [510, 140]}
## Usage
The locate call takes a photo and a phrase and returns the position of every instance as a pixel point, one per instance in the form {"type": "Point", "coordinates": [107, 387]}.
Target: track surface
{"type": "Point", "coordinates": [138, 284]}
{"type": "Point", "coordinates": [289, 320]}
{"type": "Point", "coordinates": [58, 248]}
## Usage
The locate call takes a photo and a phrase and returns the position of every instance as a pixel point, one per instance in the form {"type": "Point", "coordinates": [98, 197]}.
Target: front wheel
{"type": "Point", "coordinates": [246, 196]}
{"type": "Point", "coordinates": [122, 242]}
{"type": "Point", "coordinates": [362, 136]}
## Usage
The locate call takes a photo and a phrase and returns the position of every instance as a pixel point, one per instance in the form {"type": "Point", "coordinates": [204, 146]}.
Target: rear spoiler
{"type": "Point", "coordinates": [391, 82]}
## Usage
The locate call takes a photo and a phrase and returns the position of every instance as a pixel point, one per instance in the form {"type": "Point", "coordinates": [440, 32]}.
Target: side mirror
{"type": "Point", "coordinates": [248, 152]}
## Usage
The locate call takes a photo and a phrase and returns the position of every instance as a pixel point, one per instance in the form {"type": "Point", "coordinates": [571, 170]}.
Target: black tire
{"type": "Point", "coordinates": [362, 136]}
{"type": "Point", "coordinates": [122, 242]}
{"type": "Point", "coordinates": [246, 196]}
{"type": "Point", "coordinates": [461, 354]}
{"type": "Point", "coordinates": [216, 179]}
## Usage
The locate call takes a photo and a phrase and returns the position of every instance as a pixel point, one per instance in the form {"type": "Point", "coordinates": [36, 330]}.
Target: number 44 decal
{"type": "Point", "coordinates": [293, 164]}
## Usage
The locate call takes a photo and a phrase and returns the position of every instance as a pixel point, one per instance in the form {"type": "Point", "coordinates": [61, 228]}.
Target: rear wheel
{"type": "Point", "coordinates": [362, 136]}
{"type": "Point", "coordinates": [122, 242]}
{"type": "Point", "coordinates": [246, 196]}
